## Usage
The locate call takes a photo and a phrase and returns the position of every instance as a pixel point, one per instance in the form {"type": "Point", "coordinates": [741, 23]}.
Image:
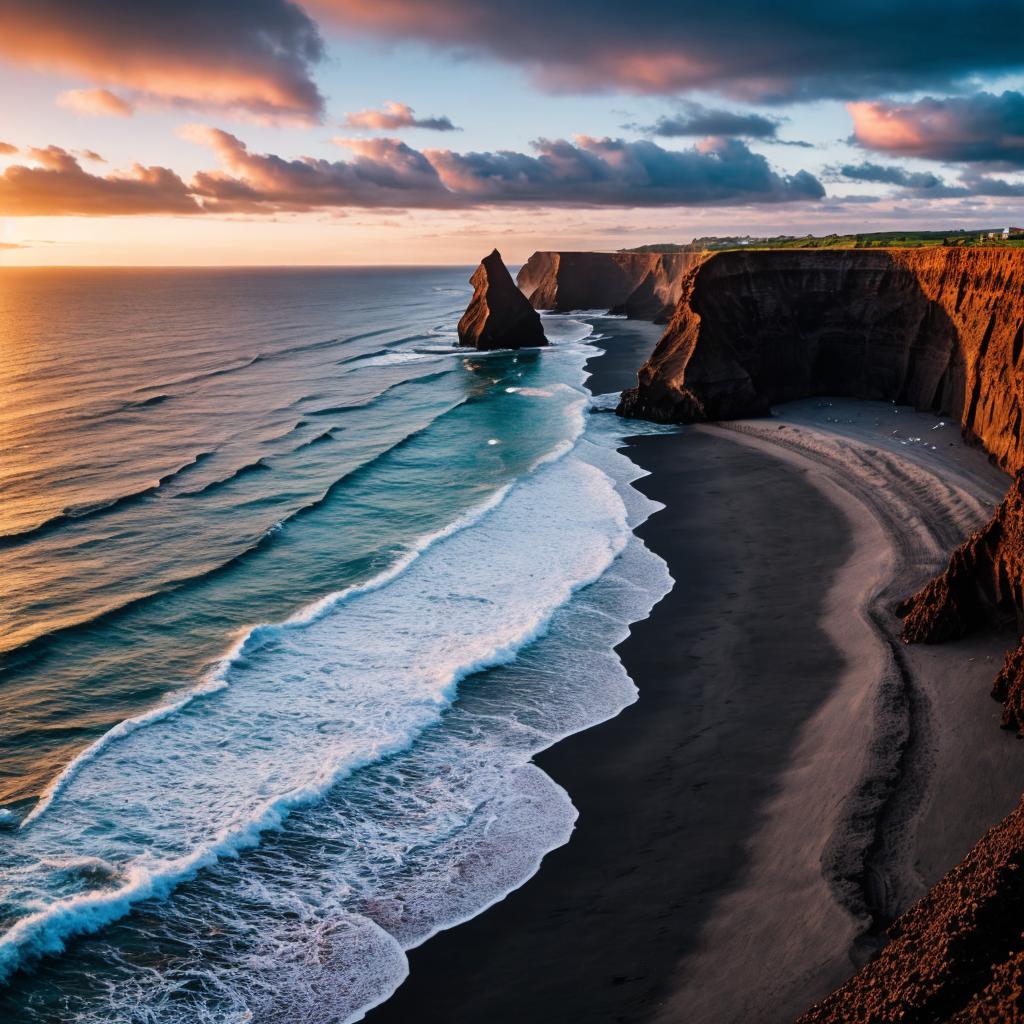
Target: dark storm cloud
{"type": "Point", "coordinates": [981, 128]}
{"type": "Point", "coordinates": [789, 49]}
{"type": "Point", "coordinates": [250, 55]}
{"type": "Point", "coordinates": [694, 119]}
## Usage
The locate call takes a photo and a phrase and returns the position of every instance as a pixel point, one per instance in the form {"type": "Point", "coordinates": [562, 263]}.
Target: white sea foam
{"type": "Point", "coordinates": [329, 661]}
{"type": "Point", "coordinates": [543, 580]}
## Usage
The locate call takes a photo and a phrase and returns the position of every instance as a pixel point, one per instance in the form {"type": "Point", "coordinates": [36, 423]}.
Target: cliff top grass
{"type": "Point", "coordinates": [977, 238]}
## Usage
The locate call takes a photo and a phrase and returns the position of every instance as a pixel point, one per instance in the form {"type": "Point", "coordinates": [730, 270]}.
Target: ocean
{"type": "Point", "coordinates": [293, 591]}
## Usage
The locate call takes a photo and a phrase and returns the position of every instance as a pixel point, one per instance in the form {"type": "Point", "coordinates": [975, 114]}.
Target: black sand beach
{"type": "Point", "coordinates": [728, 666]}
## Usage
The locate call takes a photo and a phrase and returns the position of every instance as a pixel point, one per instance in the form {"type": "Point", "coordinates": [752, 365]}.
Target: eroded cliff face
{"type": "Point", "coordinates": [499, 315]}
{"type": "Point", "coordinates": [982, 586]}
{"type": "Point", "coordinates": [643, 286]}
{"type": "Point", "coordinates": [943, 330]}
{"type": "Point", "coordinates": [939, 329]}
{"type": "Point", "coordinates": [955, 956]}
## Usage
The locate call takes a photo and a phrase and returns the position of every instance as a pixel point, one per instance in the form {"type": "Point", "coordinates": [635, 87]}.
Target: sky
{"type": "Point", "coordinates": [355, 132]}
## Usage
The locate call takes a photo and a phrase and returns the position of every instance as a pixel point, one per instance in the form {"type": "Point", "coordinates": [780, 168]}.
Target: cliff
{"type": "Point", "coordinates": [498, 315]}
{"type": "Point", "coordinates": [940, 329]}
{"type": "Point", "coordinates": [943, 330]}
{"type": "Point", "coordinates": [643, 286]}
{"type": "Point", "coordinates": [982, 585]}
{"type": "Point", "coordinates": [956, 956]}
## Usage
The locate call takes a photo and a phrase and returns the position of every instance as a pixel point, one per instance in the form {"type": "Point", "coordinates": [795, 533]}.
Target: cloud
{"type": "Point", "coordinates": [788, 50]}
{"type": "Point", "coordinates": [982, 128]}
{"type": "Point", "coordinates": [889, 174]}
{"type": "Point", "coordinates": [95, 103]}
{"type": "Point", "coordinates": [6, 149]}
{"type": "Point", "coordinates": [388, 174]}
{"type": "Point", "coordinates": [924, 184]}
{"type": "Point", "coordinates": [395, 116]}
{"type": "Point", "coordinates": [254, 57]}
{"type": "Point", "coordinates": [694, 119]}
{"type": "Point", "coordinates": [59, 187]}
{"type": "Point", "coordinates": [586, 172]}
{"type": "Point", "coordinates": [611, 172]}
{"type": "Point", "coordinates": [384, 173]}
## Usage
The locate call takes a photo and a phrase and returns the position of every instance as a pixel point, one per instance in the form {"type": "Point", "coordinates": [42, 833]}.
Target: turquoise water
{"type": "Point", "coordinates": [294, 590]}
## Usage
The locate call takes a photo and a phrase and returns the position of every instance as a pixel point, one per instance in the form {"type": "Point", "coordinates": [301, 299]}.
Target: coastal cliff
{"type": "Point", "coordinates": [982, 585]}
{"type": "Point", "coordinates": [642, 286]}
{"type": "Point", "coordinates": [941, 329]}
{"type": "Point", "coordinates": [957, 956]}
{"type": "Point", "coordinates": [498, 315]}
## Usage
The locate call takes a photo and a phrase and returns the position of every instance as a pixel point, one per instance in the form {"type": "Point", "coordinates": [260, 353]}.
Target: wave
{"type": "Point", "coordinates": [333, 410]}
{"type": "Point", "coordinates": [260, 465]}
{"type": "Point", "coordinates": [327, 435]}
{"type": "Point", "coordinates": [594, 548]}
{"type": "Point", "coordinates": [31, 648]}
{"type": "Point", "coordinates": [145, 403]}
{"type": "Point", "coordinates": [258, 634]}
{"type": "Point", "coordinates": [90, 509]}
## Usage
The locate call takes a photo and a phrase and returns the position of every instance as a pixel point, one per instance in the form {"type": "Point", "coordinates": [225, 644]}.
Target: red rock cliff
{"type": "Point", "coordinates": [940, 329]}
{"type": "Point", "coordinates": [644, 286]}
{"type": "Point", "coordinates": [498, 315]}
{"type": "Point", "coordinates": [955, 957]}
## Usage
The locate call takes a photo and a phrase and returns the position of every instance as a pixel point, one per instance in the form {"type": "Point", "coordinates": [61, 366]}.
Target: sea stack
{"type": "Point", "coordinates": [499, 315]}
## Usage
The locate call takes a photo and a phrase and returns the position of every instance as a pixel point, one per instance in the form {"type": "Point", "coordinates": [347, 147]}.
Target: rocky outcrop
{"type": "Point", "coordinates": [499, 315]}
{"type": "Point", "coordinates": [983, 585]}
{"type": "Point", "coordinates": [938, 328]}
{"type": "Point", "coordinates": [955, 956]}
{"type": "Point", "coordinates": [644, 286]}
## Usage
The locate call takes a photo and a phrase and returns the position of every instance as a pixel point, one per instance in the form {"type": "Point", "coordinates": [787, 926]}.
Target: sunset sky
{"type": "Point", "coordinates": [393, 131]}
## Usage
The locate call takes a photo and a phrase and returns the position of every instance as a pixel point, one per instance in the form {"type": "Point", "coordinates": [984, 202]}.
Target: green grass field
{"type": "Point", "coordinates": [977, 237]}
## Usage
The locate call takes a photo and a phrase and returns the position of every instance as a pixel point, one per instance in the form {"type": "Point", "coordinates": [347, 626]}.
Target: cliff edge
{"type": "Point", "coordinates": [957, 956]}
{"type": "Point", "coordinates": [940, 329]}
{"type": "Point", "coordinates": [499, 315]}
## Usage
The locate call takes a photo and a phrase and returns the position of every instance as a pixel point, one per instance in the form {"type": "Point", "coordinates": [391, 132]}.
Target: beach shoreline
{"type": "Point", "coordinates": [775, 796]}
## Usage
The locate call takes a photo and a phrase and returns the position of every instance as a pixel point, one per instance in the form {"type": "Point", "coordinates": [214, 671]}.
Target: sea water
{"type": "Point", "coordinates": [294, 589]}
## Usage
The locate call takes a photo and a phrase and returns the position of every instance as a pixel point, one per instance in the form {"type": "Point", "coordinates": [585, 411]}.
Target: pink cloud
{"type": "Point", "coordinates": [254, 58]}
{"type": "Point", "coordinates": [95, 103]}
{"type": "Point", "coordinates": [395, 116]}
{"type": "Point", "coordinates": [59, 186]}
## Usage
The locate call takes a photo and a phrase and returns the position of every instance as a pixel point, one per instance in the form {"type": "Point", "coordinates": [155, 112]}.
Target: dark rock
{"type": "Point", "coordinates": [499, 315]}
{"type": "Point", "coordinates": [643, 286]}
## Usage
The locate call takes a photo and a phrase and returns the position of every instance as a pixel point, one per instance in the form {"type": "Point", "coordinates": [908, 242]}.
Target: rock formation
{"type": "Point", "coordinates": [983, 585]}
{"type": "Point", "coordinates": [499, 315]}
{"type": "Point", "coordinates": [938, 328]}
{"type": "Point", "coordinates": [957, 956]}
{"type": "Point", "coordinates": [943, 330]}
{"type": "Point", "coordinates": [643, 286]}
